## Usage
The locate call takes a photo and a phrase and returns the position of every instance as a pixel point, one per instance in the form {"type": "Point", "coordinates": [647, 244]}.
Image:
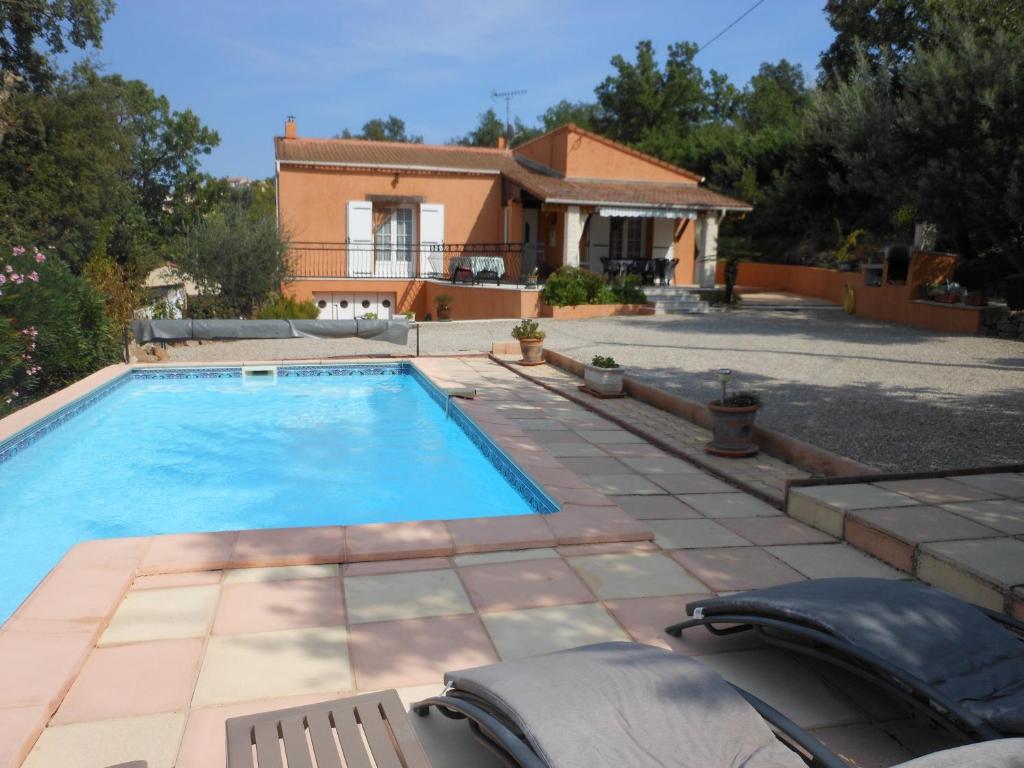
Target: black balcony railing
{"type": "Point", "coordinates": [460, 263]}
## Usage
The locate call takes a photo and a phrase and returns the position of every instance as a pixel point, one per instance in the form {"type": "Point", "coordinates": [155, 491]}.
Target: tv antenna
{"type": "Point", "coordinates": [507, 96]}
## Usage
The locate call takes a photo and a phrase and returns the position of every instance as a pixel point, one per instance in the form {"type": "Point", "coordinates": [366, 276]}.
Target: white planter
{"type": "Point", "coordinates": [604, 381]}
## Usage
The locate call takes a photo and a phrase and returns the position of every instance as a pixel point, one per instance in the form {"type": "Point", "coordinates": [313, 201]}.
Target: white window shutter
{"type": "Point", "coordinates": [360, 238]}
{"type": "Point", "coordinates": [431, 240]}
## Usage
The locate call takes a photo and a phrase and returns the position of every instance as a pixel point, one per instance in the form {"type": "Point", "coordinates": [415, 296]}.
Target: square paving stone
{"type": "Point", "coordinates": [523, 584]}
{"type": "Point", "coordinates": [660, 465]}
{"type": "Point", "coordinates": [775, 530]}
{"type": "Point", "coordinates": [823, 561]}
{"type": "Point", "coordinates": [935, 490]}
{"type": "Point", "coordinates": [263, 606]}
{"type": "Point", "coordinates": [417, 651]}
{"type": "Point", "coordinates": [922, 523]}
{"type": "Point", "coordinates": [511, 556]}
{"type": "Point", "coordinates": [281, 573]}
{"type": "Point", "coordinates": [693, 534]}
{"type": "Point", "coordinates": [158, 614]}
{"type": "Point", "coordinates": [645, 618]}
{"type": "Point", "coordinates": [785, 683]}
{"type": "Point", "coordinates": [570, 450]}
{"type": "Point", "coordinates": [855, 496]}
{"type": "Point", "coordinates": [133, 679]}
{"type": "Point", "coordinates": [609, 436]}
{"type": "Point", "coordinates": [634, 574]}
{"type": "Point", "coordinates": [267, 665]}
{"type": "Point", "coordinates": [1000, 561]}
{"type": "Point", "coordinates": [623, 485]}
{"type": "Point", "coordinates": [691, 482]}
{"type": "Point", "coordinates": [730, 505]}
{"type": "Point", "coordinates": [1006, 515]}
{"type": "Point", "coordinates": [537, 424]}
{"type": "Point", "coordinates": [404, 596]}
{"type": "Point", "coordinates": [153, 738]}
{"type": "Point", "coordinates": [726, 569]}
{"type": "Point", "coordinates": [596, 466]}
{"type": "Point", "coordinates": [656, 508]}
{"type": "Point", "coordinates": [1004, 483]}
{"type": "Point", "coordinates": [518, 634]}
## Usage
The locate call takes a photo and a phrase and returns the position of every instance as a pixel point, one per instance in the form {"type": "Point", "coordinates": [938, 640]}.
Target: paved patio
{"type": "Point", "coordinates": [141, 648]}
{"type": "Point", "coordinates": [962, 533]}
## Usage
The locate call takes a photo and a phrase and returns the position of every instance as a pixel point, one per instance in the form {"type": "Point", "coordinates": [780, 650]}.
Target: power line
{"type": "Point", "coordinates": [734, 22]}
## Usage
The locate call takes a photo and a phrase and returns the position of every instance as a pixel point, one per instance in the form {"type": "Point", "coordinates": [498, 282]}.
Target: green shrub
{"type": "Point", "coordinates": [288, 308]}
{"type": "Point", "coordinates": [742, 400]}
{"type": "Point", "coordinates": [572, 286]}
{"type": "Point", "coordinates": [211, 307]}
{"type": "Point", "coordinates": [627, 290]}
{"type": "Point", "coordinates": [602, 361]}
{"type": "Point", "coordinates": [59, 321]}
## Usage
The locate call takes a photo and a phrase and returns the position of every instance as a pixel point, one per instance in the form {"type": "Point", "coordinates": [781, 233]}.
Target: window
{"type": "Point", "coordinates": [625, 238]}
{"type": "Point", "coordinates": [394, 237]}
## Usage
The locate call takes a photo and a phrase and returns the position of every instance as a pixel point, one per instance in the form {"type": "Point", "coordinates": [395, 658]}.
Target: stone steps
{"type": "Point", "coordinates": [672, 300]}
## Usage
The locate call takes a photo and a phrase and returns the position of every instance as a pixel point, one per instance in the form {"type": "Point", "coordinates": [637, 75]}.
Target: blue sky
{"type": "Point", "coordinates": [244, 65]}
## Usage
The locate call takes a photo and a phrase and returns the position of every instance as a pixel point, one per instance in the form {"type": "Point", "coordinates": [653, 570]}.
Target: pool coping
{"type": "Point", "coordinates": [59, 622]}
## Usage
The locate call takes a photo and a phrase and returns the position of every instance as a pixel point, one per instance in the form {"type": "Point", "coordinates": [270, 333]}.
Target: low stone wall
{"type": "Point", "coordinates": [587, 311]}
{"type": "Point", "coordinates": [1001, 323]}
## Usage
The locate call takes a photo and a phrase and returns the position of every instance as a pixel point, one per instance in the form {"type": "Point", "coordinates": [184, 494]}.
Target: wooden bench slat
{"type": "Point", "coordinates": [322, 736]}
{"type": "Point", "coordinates": [351, 739]}
{"type": "Point", "coordinates": [293, 733]}
{"type": "Point", "coordinates": [378, 736]}
{"type": "Point", "coordinates": [412, 750]}
{"type": "Point", "coordinates": [268, 747]}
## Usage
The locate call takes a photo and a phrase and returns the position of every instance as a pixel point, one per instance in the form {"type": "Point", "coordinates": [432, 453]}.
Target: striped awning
{"type": "Point", "coordinates": [645, 213]}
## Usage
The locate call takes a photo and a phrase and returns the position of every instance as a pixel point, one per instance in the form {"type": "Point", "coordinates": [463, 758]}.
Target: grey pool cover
{"type": "Point", "coordinates": [393, 331]}
{"type": "Point", "coordinates": [932, 635]}
{"type": "Point", "coordinates": [623, 704]}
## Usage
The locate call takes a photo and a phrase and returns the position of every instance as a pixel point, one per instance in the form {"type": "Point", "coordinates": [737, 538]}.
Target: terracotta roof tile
{"type": "Point", "coordinates": [539, 180]}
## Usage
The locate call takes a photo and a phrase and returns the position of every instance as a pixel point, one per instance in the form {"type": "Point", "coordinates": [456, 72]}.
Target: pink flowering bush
{"type": "Point", "coordinates": [54, 328]}
{"type": "Point", "coordinates": [18, 368]}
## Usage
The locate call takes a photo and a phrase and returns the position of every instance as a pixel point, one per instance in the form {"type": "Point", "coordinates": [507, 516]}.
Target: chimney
{"type": "Point", "coordinates": [289, 128]}
{"type": "Point", "coordinates": [502, 143]}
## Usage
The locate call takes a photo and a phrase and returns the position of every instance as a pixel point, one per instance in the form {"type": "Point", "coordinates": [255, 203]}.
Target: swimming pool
{"type": "Point", "coordinates": [206, 449]}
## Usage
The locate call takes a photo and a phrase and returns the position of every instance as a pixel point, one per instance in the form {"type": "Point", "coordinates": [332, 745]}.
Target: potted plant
{"type": "Point", "coordinates": [531, 341]}
{"type": "Point", "coordinates": [603, 376]}
{"type": "Point", "coordinates": [732, 421]}
{"type": "Point", "coordinates": [443, 305]}
{"type": "Point", "coordinates": [975, 299]}
{"type": "Point", "coordinates": [532, 278]}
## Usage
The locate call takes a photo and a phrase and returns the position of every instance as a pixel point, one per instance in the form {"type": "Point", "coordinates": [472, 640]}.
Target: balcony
{"type": "Point", "coordinates": [459, 263]}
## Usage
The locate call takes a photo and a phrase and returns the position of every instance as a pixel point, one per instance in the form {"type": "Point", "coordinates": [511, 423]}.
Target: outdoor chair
{"type": "Point", "coordinates": [612, 704]}
{"type": "Point", "coordinates": [961, 664]}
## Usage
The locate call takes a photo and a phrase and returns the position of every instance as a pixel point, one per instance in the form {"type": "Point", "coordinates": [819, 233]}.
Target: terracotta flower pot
{"type": "Point", "coordinates": [444, 313]}
{"type": "Point", "coordinates": [532, 349]}
{"type": "Point", "coordinates": [604, 381]}
{"type": "Point", "coordinates": [732, 430]}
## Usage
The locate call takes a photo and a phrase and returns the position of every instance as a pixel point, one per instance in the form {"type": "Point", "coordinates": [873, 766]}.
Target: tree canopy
{"type": "Point", "coordinates": [390, 128]}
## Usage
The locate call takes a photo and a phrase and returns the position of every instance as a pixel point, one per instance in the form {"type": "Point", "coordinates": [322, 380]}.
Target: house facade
{"type": "Point", "coordinates": [382, 227]}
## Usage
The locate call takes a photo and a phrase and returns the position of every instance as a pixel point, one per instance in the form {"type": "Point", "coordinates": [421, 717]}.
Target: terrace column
{"type": "Point", "coordinates": [572, 231]}
{"type": "Point", "coordinates": [707, 249]}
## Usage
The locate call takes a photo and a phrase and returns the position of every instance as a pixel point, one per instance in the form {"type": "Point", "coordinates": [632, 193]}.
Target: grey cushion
{"type": "Point", "coordinates": [624, 704]}
{"type": "Point", "coordinates": [935, 637]}
{"type": "Point", "coordinates": [1002, 753]}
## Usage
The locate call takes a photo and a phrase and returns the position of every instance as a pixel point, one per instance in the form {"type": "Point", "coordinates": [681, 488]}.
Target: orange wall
{"type": "Point", "coordinates": [686, 251]}
{"type": "Point", "coordinates": [590, 158]}
{"type": "Point", "coordinates": [314, 202]}
{"type": "Point", "coordinates": [408, 293]}
{"type": "Point", "coordinates": [480, 303]}
{"type": "Point", "coordinates": [576, 154]}
{"type": "Point", "coordinates": [887, 303]}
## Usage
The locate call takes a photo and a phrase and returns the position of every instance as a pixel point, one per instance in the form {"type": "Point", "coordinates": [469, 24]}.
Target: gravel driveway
{"type": "Point", "coordinates": [894, 397]}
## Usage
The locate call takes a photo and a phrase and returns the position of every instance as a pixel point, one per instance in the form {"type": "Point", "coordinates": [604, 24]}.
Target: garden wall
{"type": "Point", "coordinates": [587, 311]}
{"type": "Point", "coordinates": [888, 303]}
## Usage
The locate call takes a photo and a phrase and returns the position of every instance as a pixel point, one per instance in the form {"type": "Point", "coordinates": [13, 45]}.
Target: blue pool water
{"type": "Point", "coordinates": [207, 454]}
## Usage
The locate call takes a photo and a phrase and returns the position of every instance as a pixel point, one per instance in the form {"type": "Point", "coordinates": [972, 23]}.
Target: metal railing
{"type": "Point", "coordinates": [460, 263]}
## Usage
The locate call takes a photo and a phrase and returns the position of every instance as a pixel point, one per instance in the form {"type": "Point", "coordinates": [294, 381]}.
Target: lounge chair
{"type": "Point", "coordinates": [961, 664]}
{"type": "Point", "coordinates": [613, 704]}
